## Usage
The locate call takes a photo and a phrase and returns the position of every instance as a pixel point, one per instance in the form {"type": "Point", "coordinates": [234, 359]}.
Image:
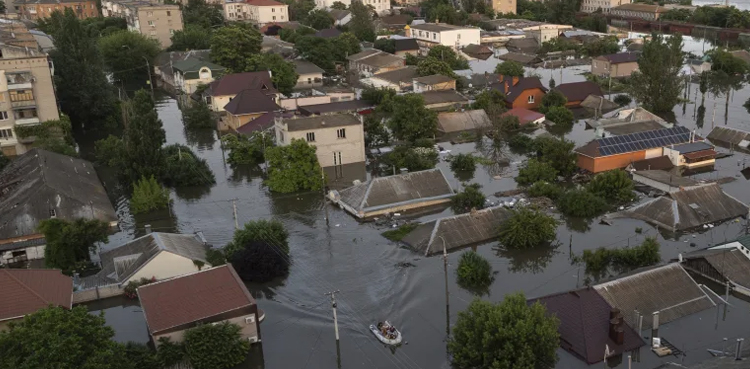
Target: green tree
{"type": "Point", "coordinates": [125, 53]}
{"type": "Point", "coordinates": [509, 69]}
{"type": "Point", "coordinates": [558, 153]}
{"type": "Point", "coordinates": [144, 137]}
{"type": "Point", "coordinates": [581, 203]}
{"type": "Point", "coordinates": [233, 45]}
{"type": "Point", "coordinates": [344, 45]}
{"type": "Point", "coordinates": [622, 100]}
{"type": "Point", "coordinates": [56, 337]}
{"type": "Point", "coordinates": [535, 171]}
{"type": "Point", "coordinates": [429, 66]}
{"type": "Point", "coordinates": [412, 157]}
{"type": "Point", "coordinates": [560, 115]}
{"type": "Point", "coordinates": [552, 99]}
{"type": "Point", "coordinates": [319, 19]}
{"type": "Point", "coordinates": [361, 24]}
{"type": "Point", "coordinates": [283, 73]}
{"type": "Point", "coordinates": [148, 195]}
{"type": "Point", "coordinates": [198, 115]}
{"type": "Point", "coordinates": [216, 346]}
{"type": "Point", "coordinates": [140, 356]}
{"type": "Point", "coordinates": [527, 228]}
{"type": "Point", "coordinates": [488, 99]}
{"type": "Point", "coordinates": [470, 198]}
{"type": "Point", "coordinates": [614, 185]}
{"type": "Point", "coordinates": [463, 163]}
{"type": "Point", "coordinates": [657, 84]}
{"type": "Point", "coordinates": [545, 189]}
{"type": "Point", "coordinates": [200, 13]}
{"type": "Point", "coordinates": [600, 260]}
{"type": "Point", "coordinates": [298, 9]}
{"type": "Point", "coordinates": [338, 5]}
{"type": "Point", "coordinates": [260, 262]}
{"type": "Point", "coordinates": [386, 44]}
{"type": "Point", "coordinates": [509, 335]}
{"type": "Point", "coordinates": [244, 150]}
{"type": "Point", "coordinates": [111, 152]}
{"type": "Point", "coordinates": [182, 168]}
{"type": "Point", "coordinates": [4, 161]}
{"type": "Point", "coordinates": [601, 46]}
{"type": "Point", "coordinates": [192, 37]}
{"type": "Point", "coordinates": [82, 88]}
{"type": "Point", "coordinates": [293, 168]}
{"type": "Point", "coordinates": [69, 243]}
{"type": "Point", "coordinates": [51, 135]}
{"type": "Point", "coordinates": [377, 95]}
{"type": "Point", "coordinates": [317, 50]}
{"type": "Point", "coordinates": [703, 86]}
{"type": "Point", "coordinates": [722, 60]}
{"type": "Point", "coordinates": [552, 83]}
{"type": "Point", "coordinates": [262, 230]}
{"type": "Point", "coordinates": [448, 55]}
{"type": "Point", "coordinates": [474, 272]}
{"type": "Point", "coordinates": [410, 119]}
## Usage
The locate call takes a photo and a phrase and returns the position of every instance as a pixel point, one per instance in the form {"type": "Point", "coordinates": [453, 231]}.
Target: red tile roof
{"type": "Point", "coordinates": [193, 297]}
{"type": "Point", "coordinates": [264, 3]}
{"type": "Point", "coordinates": [524, 116]}
{"type": "Point", "coordinates": [24, 291]}
{"type": "Point", "coordinates": [584, 324]}
{"type": "Point", "coordinates": [233, 84]}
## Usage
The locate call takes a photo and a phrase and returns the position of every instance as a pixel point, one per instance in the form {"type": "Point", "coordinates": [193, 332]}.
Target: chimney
{"type": "Point", "coordinates": [616, 331]}
{"type": "Point", "coordinates": [515, 80]}
{"type": "Point", "coordinates": [200, 236]}
{"type": "Point", "coordinates": [679, 257]}
{"type": "Point", "coordinates": [655, 325]}
{"type": "Point", "coordinates": [148, 228]}
{"type": "Point", "coordinates": [738, 351]}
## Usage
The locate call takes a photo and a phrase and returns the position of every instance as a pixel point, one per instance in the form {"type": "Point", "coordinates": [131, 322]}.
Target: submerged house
{"type": "Point", "coordinates": [730, 138]}
{"type": "Point", "coordinates": [577, 92]}
{"type": "Point", "coordinates": [458, 231]}
{"type": "Point", "coordinates": [627, 121]}
{"type": "Point", "coordinates": [688, 208]}
{"type": "Point", "coordinates": [399, 193]}
{"type": "Point", "coordinates": [590, 326]}
{"type": "Point", "coordinates": [212, 296]}
{"type": "Point", "coordinates": [450, 123]}
{"type": "Point", "coordinates": [40, 185]}
{"type": "Point", "coordinates": [728, 263]}
{"type": "Point", "coordinates": [156, 256]}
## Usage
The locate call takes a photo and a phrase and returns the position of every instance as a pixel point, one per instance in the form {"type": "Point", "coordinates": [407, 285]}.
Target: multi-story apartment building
{"type": "Point", "coordinates": [258, 12]}
{"type": "Point", "coordinates": [40, 9]}
{"type": "Point", "coordinates": [150, 18]}
{"type": "Point", "coordinates": [380, 6]}
{"type": "Point", "coordinates": [27, 96]}
{"type": "Point", "coordinates": [431, 34]}
{"type": "Point", "coordinates": [338, 138]}
{"type": "Point", "coordinates": [505, 6]}
{"type": "Point", "coordinates": [590, 6]}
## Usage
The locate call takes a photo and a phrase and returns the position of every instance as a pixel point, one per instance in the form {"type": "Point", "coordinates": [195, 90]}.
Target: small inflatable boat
{"type": "Point", "coordinates": [386, 333]}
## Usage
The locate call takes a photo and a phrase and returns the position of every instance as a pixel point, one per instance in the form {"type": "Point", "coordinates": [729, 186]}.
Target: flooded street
{"type": "Point", "coordinates": [380, 280]}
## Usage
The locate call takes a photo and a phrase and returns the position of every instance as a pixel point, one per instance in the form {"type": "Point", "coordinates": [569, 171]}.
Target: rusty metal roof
{"type": "Point", "coordinates": [668, 289]}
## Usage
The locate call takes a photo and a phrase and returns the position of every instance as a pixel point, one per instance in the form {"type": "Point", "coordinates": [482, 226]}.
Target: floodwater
{"type": "Point", "coordinates": [378, 279]}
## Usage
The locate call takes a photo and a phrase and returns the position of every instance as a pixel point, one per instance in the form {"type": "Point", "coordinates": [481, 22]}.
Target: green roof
{"type": "Point", "coordinates": [191, 66]}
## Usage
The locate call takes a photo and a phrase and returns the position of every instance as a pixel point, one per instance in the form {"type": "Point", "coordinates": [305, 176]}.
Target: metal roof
{"type": "Point", "coordinates": [668, 289]}
{"type": "Point", "coordinates": [692, 147]}
{"type": "Point", "coordinates": [463, 121]}
{"type": "Point", "coordinates": [731, 138]}
{"type": "Point", "coordinates": [664, 177]}
{"type": "Point", "coordinates": [637, 141]}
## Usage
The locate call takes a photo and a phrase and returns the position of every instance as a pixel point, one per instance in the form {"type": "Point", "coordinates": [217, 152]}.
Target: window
{"type": "Point", "coordinates": [171, 32]}
{"type": "Point", "coordinates": [337, 158]}
{"type": "Point", "coordinates": [273, 10]}
{"type": "Point", "coordinates": [282, 17]}
{"type": "Point", "coordinates": [281, 136]}
{"type": "Point", "coordinates": [150, 14]}
{"type": "Point", "coordinates": [153, 33]}
{"type": "Point", "coordinates": [6, 134]}
{"type": "Point", "coordinates": [341, 133]}
{"type": "Point", "coordinates": [274, 17]}
{"type": "Point", "coordinates": [52, 213]}
{"type": "Point", "coordinates": [310, 136]}
{"type": "Point", "coordinates": [3, 115]}
{"type": "Point", "coordinates": [169, 13]}
{"type": "Point", "coordinates": [151, 23]}
{"type": "Point", "coordinates": [434, 36]}
{"type": "Point", "coordinates": [531, 99]}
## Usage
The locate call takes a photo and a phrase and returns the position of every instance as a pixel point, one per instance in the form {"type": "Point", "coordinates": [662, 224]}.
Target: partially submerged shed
{"type": "Point", "coordinates": [403, 192]}
{"type": "Point", "coordinates": [668, 289]}
{"type": "Point", "coordinates": [688, 208]}
{"type": "Point", "coordinates": [663, 181]}
{"type": "Point", "coordinates": [586, 328]}
{"type": "Point", "coordinates": [462, 121]}
{"type": "Point", "coordinates": [458, 231]}
{"type": "Point", "coordinates": [730, 138]}
{"type": "Point", "coordinates": [727, 263]}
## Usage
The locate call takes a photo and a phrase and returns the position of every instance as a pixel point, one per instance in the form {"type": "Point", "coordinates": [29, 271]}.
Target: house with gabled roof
{"type": "Point", "coordinates": [247, 106]}
{"type": "Point", "coordinates": [27, 290]}
{"type": "Point", "coordinates": [727, 263]}
{"type": "Point", "coordinates": [211, 296]}
{"type": "Point", "coordinates": [615, 65]}
{"type": "Point", "coordinates": [193, 72]}
{"type": "Point", "coordinates": [220, 92]}
{"type": "Point", "coordinates": [524, 92]}
{"type": "Point", "coordinates": [576, 92]}
{"type": "Point", "coordinates": [154, 256]}
{"type": "Point", "coordinates": [40, 185]}
{"type": "Point", "coordinates": [411, 192]}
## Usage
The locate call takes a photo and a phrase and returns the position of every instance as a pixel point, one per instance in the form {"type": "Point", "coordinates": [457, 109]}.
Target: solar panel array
{"type": "Point", "coordinates": [643, 140]}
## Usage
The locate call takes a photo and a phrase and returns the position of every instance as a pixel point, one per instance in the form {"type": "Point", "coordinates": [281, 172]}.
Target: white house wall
{"type": "Point", "coordinates": [165, 265]}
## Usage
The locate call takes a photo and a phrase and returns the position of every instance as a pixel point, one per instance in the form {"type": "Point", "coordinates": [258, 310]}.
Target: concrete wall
{"type": "Point", "coordinates": [34, 11]}
{"type": "Point", "coordinates": [309, 80]}
{"type": "Point", "coordinates": [247, 329]}
{"type": "Point", "coordinates": [603, 68]}
{"type": "Point", "coordinates": [505, 6]}
{"type": "Point", "coordinates": [602, 164]}
{"type": "Point", "coordinates": [450, 38]}
{"type": "Point", "coordinates": [97, 293]}
{"type": "Point", "coordinates": [160, 22]}
{"type": "Point", "coordinates": [261, 15]}
{"type": "Point", "coordinates": [655, 184]}
{"type": "Point", "coordinates": [32, 253]}
{"type": "Point", "coordinates": [590, 6]}
{"type": "Point", "coordinates": [420, 87]}
{"type": "Point", "coordinates": [165, 265]}
{"type": "Point", "coordinates": [330, 149]}
{"type": "Point", "coordinates": [294, 103]}
{"type": "Point", "coordinates": [205, 76]}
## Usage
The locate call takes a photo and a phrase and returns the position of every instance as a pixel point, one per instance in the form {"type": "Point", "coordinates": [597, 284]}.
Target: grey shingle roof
{"type": "Point", "coordinates": [729, 262]}
{"type": "Point", "coordinates": [433, 79]}
{"type": "Point", "coordinates": [443, 96]}
{"type": "Point", "coordinates": [41, 184]}
{"type": "Point", "coordinates": [305, 67]}
{"type": "Point", "coordinates": [321, 121]}
{"type": "Point", "coordinates": [730, 138]}
{"type": "Point", "coordinates": [688, 208]}
{"type": "Point", "coordinates": [122, 262]}
{"type": "Point", "coordinates": [385, 192]}
{"type": "Point", "coordinates": [668, 289]}
{"type": "Point", "coordinates": [457, 231]}
{"type": "Point", "coordinates": [462, 121]}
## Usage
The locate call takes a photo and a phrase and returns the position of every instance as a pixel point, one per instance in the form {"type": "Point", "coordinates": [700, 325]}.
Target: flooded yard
{"type": "Point", "coordinates": [379, 279]}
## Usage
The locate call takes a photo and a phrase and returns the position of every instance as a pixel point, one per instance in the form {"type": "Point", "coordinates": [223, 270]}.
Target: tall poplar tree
{"type": "Point", "coordinates": [657, 83]}
{"type": "Point", "coordinates": [144, 137]}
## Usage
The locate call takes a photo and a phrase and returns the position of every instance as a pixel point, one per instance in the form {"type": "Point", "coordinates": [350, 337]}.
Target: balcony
{"type": "Point", "coordinates": [22, 104]}
{"type": "Point", "coordinates": [27, 121]}
{"type": "Point", "coordinates": [19, 81]}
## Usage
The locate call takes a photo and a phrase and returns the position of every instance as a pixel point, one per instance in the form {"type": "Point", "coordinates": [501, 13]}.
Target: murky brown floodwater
{"type": "Point", "coordinates": [354, 258]}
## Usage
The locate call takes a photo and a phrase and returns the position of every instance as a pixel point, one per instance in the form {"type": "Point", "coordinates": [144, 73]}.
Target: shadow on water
{"type": "Point", "coordinates": [201, 139]}
{"type": "Point", "coordinates": [528, 261]}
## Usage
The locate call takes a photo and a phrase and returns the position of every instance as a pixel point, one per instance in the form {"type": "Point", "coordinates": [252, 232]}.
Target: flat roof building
{"type": "Point", "coordinates": [149, 18]}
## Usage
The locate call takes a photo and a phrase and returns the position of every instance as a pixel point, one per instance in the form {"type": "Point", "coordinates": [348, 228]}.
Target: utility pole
{"type": "Point", "coordinates": [236, 221]}
{"type": "Point", "coordinates": [325, 201]}
{"type": "Point", "coordinates": [447, 303]}
{"type": "Point", "coordinates": [335, 318]}
{"type": "Point", "coordinates": [150, 81]}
